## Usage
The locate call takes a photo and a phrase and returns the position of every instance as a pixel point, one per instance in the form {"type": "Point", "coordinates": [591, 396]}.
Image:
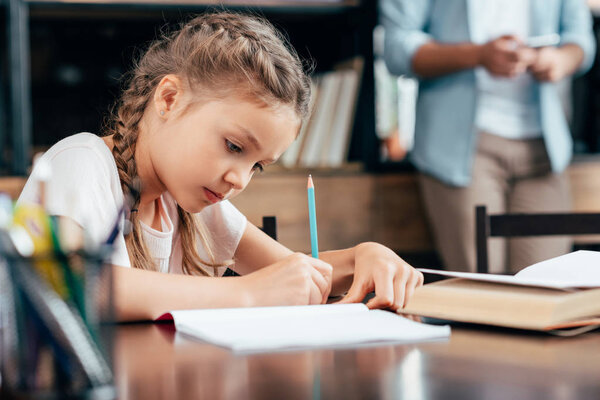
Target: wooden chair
{"type": "Point", "coordinates": [520, 225]}
{"type": "Point", "coordinates": [269, 226]}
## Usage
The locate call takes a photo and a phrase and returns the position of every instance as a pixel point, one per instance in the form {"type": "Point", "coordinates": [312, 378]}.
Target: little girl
{"type": "Point", "coordinates": [204, 109]}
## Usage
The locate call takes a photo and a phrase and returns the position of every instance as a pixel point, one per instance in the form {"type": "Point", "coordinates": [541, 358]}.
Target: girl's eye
{"type": "Point", "coordinates": [258, 167]}
{"type": "Point", "coordinates": [233, 147]}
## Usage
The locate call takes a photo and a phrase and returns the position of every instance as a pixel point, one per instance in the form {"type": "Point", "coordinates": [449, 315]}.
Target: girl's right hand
{"type": "Point", "coordinates": [297, 279]}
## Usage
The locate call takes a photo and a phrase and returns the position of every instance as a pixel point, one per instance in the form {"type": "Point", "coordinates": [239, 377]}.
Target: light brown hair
{"type": "Point", "coordinates": [217, 53]}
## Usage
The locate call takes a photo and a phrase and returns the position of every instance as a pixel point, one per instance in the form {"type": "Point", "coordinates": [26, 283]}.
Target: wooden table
{"type": "Point", "coordinates": [153, 362]}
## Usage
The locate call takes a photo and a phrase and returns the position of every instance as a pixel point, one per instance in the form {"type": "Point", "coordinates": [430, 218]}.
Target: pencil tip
{"type": "Point", "coordinates": [310, 182]}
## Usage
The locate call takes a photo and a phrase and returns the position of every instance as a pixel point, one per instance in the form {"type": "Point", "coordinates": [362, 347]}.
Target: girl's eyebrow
{"type": "Point", "coordinates": [252, 139]}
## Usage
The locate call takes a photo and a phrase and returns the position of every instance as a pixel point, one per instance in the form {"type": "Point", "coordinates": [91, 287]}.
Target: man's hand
{"type": "Point", "coordinates": [549, 65]}
{"type": "Point", "coordinates": [506, 56]}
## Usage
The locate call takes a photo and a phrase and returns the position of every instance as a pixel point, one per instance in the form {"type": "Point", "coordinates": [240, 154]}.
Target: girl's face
{"type": "Point", "coordinates": [211, 152]}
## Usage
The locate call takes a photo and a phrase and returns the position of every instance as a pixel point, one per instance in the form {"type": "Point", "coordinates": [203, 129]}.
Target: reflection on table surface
{"type": "Point", "coordinates": [153, 362]}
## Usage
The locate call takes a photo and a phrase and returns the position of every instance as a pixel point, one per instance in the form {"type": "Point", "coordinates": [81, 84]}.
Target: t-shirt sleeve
{"type": "Point", "coordinates": [80, 188]}
{"type": "Point", "coordinates": [226, 225]}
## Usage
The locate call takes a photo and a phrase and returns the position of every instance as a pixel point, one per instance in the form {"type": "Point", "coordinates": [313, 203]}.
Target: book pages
{"type": "Point", "coordinates": [580, 269]}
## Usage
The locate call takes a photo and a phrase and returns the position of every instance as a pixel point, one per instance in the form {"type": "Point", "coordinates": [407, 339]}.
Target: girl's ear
{"type": "Point", "coordinates": [168, 96]}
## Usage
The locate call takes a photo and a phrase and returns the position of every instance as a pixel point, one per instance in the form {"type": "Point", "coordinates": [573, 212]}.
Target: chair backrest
{"type": "Point", "coordinates": [269, 226]}
{"type": "Point", "coordinates": [519, 225]}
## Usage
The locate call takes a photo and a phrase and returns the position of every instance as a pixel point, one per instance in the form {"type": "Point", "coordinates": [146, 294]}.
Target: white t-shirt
{"type": "Point", "coordinates": [507, 107]}
{"type": "Point", "coordinates": [85, 186]}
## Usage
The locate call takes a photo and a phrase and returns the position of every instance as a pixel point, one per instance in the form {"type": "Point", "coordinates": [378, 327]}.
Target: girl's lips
{"type": "Point", "coordinates": [212, 196]}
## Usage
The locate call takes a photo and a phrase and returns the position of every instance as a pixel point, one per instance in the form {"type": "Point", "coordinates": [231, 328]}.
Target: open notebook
{"type": "Point", "coordinates": [261, 329]}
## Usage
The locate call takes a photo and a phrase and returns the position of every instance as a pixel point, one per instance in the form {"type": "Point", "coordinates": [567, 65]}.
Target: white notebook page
{"type": "Point", "coordinates": [302, 327]}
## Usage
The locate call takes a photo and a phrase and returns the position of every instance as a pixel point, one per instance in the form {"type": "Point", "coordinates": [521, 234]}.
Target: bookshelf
{"type": "Point", "coordinates": [65, 57]}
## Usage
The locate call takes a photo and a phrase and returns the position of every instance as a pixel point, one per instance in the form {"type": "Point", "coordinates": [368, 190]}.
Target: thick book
{"type": "Point", "coordinates": [560, 293]}
{"type": "Point", "coordinates": [261, 329]}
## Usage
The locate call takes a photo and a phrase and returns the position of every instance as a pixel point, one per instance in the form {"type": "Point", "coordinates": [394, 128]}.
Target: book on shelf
{"type": "Point", "coordinates": [289, 158]}
{"type": "Point", "coordinates": [261, 329]}
{"type": "Point", "coordinates": [320, 125]}
{"type": "Point", "coordinates": [325, 137]}
{"type": "Point", "coordinates": [560, 293]}
{"type": "Point", "coordinates": [334, 154]}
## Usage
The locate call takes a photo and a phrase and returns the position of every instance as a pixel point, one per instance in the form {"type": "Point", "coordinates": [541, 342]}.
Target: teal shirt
{"type": "Point", "coordinates": [445, 135]}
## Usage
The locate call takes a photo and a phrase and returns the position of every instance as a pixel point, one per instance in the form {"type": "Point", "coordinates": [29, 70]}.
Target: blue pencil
{"type": "Point", "coordinates": [312, 216]}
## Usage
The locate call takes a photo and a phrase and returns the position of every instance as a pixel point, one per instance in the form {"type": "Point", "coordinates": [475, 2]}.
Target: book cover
{"type": "Point", "coordinates": [506, 305]}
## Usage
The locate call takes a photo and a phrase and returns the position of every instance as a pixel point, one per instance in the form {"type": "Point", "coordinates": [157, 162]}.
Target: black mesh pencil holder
{"type": "Point", "coordinates": [57, 319]}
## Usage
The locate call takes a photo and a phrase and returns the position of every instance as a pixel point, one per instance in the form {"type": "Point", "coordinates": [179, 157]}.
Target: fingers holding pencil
{"type": "Point", "coordinates": [297, 279]}
{"type": "Point", "coordinates": [322, 274]}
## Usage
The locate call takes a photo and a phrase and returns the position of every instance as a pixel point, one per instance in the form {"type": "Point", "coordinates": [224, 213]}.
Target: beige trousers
{"type": "Point", "coordinates": [509, 176]}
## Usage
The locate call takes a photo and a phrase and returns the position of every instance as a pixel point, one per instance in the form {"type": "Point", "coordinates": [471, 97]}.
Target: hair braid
{"type": "Point", "coordinates": [125, 133]}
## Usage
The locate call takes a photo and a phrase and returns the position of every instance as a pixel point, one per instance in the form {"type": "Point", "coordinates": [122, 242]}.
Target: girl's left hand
{"type": "Point", "coordinates": [378, 268]}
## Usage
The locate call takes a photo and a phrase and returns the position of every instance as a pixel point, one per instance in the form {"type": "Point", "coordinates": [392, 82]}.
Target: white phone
{"type": "Point", "coordinates": [551, 39]}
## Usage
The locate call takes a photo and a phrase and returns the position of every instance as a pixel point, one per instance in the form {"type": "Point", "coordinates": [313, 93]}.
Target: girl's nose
{"type": "Point", "coordinates": [237, 178]}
